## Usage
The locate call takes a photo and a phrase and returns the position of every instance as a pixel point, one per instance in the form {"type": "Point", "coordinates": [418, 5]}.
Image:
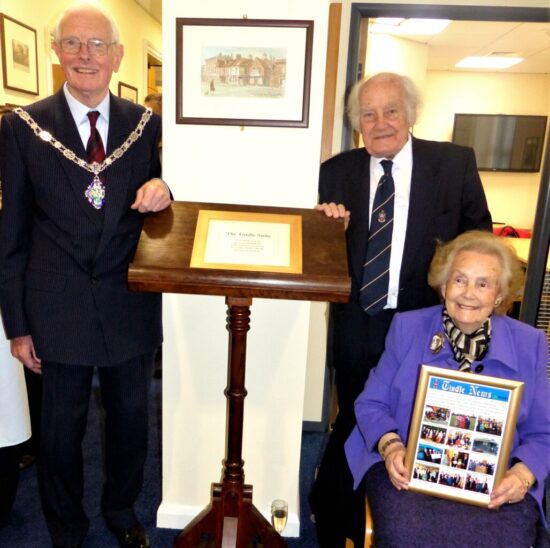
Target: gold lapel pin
{"type": "Point", "coordinates": [437, 343]}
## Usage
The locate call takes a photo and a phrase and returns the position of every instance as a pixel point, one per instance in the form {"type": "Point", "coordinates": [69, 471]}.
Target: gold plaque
{"type": "Point", "coordinates": [263, 242]}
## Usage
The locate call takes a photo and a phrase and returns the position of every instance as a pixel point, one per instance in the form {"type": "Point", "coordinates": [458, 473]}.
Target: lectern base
{"type": "Point", "coordinates": [230, 521]}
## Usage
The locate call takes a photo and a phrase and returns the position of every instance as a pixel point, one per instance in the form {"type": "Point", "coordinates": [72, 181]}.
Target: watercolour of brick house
{"type": "Point", "coordinates": [239, 70]}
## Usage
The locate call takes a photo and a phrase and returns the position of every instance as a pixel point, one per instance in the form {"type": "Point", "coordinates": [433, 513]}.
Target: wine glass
{"type": "Point", "coordinates": [279, 514]}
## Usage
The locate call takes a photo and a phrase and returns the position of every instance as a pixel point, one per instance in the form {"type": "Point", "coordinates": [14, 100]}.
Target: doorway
{"type": "Point", "coordinates": [534, 309]}
{"type": "Point", "coordinates": [154, 74]}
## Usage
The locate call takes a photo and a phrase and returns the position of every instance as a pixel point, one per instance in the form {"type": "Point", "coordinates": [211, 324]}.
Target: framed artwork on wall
{"type": "Point", "coordinates": [245, 72]}
{"type": "Point", "coordinates": [19, 56]}
{"type": "Point", "coordinates": [126, 91]}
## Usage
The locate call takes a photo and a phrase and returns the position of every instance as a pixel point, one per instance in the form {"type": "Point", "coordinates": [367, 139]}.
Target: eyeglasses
{"type": "Point", "coordinates": [95, 46]}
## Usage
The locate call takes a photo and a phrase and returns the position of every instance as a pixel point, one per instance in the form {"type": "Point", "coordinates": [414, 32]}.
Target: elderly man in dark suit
{"type": "Point", "coordinates": [435, 193]}
{"type": "Point", "coordinates": [80, 169]}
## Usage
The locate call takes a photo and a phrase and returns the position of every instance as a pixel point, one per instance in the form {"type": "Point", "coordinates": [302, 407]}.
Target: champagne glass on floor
{"type": "Point", "coordinates": [279, 514]}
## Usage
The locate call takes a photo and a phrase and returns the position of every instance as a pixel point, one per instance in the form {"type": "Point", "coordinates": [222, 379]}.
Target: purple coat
{"type": "Point", "coordinates": [517, 351]}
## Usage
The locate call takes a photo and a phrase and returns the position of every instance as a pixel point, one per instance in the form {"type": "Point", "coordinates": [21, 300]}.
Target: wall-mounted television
{"type": "Point", "coordinates": [502, 142]}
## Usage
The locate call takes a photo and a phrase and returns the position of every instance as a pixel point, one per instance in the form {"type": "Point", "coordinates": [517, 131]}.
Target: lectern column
{"type": "Point", "coordinates": [238, 325]}
{"type": "Point", "coordinates": [231, 520]}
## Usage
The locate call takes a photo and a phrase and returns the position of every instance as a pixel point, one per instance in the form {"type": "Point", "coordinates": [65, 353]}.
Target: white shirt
{"type": "Point", "coordinates": [402, 173]}
{"type": "Point", "coordinates": [80, 115]}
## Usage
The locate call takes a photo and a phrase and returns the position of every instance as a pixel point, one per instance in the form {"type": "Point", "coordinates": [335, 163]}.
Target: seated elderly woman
{"type": "Point", "coordinates": [478, 276]}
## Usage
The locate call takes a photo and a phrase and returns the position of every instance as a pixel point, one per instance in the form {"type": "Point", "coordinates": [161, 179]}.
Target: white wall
{"type": "Point", "coordinates": [250, 165]}
{"type": "Point", "coordinates": [393, 54]}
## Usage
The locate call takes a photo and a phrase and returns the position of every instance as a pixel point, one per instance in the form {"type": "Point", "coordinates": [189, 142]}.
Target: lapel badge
{"type": "Point", "coordinates": [437, 343]}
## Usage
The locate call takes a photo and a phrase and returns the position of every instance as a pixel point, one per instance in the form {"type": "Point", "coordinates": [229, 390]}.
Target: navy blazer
{"type": "Point", "coordinates": [446, 199]}
{"type": "Point", "coordinates": [63, 265]}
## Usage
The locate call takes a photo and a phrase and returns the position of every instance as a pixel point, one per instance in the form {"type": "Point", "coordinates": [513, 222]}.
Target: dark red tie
{"type": "Point", "coordinates": [94, 148]}
{"type": "Point", "coordinates": [95, 193]}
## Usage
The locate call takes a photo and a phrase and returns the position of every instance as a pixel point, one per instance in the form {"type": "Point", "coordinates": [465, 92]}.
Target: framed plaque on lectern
{"type": "Point", "coordinates": [264, 242]}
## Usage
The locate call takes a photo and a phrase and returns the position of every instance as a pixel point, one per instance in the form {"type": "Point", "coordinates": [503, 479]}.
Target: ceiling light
{"type": "Point", "coordinates": [423, 26]}
{"type": "Point", "coordinates": [488, 62]}
{"type": "Point", "coordinates": [400, 26]}
{"type": "Point", "coordinates": [391, 21]}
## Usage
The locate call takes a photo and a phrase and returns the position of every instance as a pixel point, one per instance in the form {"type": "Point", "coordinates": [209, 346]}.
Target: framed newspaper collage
{"type": "Point", "coordinates": [461, 433]}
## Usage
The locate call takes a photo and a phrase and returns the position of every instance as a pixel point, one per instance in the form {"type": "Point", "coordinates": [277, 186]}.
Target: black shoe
{"type": "Point", "coordinates": [26, 460]}
{"type": "Point", "coordinates": [132, 537]}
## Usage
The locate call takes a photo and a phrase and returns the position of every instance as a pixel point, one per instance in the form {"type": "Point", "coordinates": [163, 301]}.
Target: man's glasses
{"type": "Point", "coordinates": [95, 46]}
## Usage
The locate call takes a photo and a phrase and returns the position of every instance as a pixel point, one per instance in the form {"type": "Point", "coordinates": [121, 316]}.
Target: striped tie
{"type": "Point", "coordinates": [376, 270]}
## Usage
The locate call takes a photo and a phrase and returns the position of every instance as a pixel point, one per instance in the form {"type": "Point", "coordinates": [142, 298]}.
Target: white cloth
{"type": "Point", "coordinates": [15, 423]}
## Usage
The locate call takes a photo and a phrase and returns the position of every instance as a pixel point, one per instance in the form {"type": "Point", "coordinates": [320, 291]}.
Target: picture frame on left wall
{"type": "Point", "coordinates": [126, 91]}
{"type": "Point", "coordinates": [19, 56]}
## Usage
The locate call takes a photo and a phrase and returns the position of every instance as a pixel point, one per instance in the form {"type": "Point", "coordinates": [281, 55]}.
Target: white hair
{"type": "Point", "coordinates": [87, 7]}
{"type": "Point", "coordinates": [410, 91]}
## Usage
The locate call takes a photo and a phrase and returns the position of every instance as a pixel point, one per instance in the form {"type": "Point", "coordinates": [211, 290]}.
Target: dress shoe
{"type": "Point", "coordinates": [26, 460]}
{"type": "Point", "coordinates": [132, 537]}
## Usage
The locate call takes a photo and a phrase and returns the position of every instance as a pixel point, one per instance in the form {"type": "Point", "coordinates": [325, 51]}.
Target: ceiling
{"type": "Point", "coordinates": [462, 38]}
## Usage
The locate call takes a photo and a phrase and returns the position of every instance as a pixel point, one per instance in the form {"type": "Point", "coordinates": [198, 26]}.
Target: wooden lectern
{"type": "Point", "coordinates": [162, 264]}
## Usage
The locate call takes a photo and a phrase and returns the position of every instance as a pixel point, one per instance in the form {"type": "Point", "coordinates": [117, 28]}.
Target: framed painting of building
{"type": "Point", "coordinates": [246, 72]}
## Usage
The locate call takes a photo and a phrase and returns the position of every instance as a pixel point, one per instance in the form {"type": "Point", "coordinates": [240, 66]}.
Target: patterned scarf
{"type": "Point", "coordinates": [467, 348]}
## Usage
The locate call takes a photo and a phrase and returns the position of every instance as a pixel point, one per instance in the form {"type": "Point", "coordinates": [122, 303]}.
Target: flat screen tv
{"type": "Point", "coordinates": [502, 142]}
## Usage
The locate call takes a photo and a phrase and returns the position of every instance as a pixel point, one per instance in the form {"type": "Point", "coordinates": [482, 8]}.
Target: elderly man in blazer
{"type": "Point", "coordinates": [72, 216]}
{"type": "Point", "coordinates": [437, 195]}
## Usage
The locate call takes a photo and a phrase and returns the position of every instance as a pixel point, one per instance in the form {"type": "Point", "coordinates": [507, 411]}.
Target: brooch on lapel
{"type": "Point", "coordinates": [437, 343]}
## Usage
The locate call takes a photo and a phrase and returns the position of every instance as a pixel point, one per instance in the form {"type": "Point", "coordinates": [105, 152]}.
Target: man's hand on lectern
{"type": "Point", "coordinates": [337, 211]}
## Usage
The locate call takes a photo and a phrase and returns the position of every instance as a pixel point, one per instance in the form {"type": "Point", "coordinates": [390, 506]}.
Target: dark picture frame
{"type": "Point", "coordinates": [243, 72]}
{"type": "Point", "coordinates": [126, 91]}
{"type": "Point", "coordinates": [461, 434]}
{"type": "Point", "coordinates": [19, 56]}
